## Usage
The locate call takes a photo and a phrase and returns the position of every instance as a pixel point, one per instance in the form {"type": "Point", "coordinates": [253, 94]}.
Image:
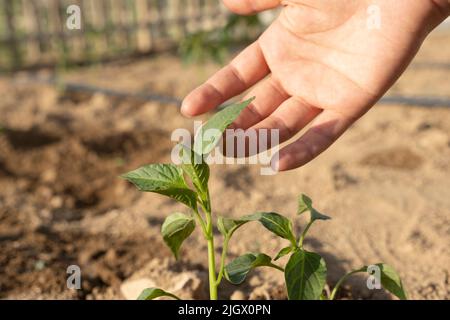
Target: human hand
{"type": "Point", "coordinates": [320, 64]}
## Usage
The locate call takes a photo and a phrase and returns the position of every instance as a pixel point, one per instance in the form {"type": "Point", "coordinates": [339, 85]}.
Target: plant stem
{"type": "Point", "coordinates": [201, 222]}
{"type": "Point", "coordinates": [211, 250]}
{"type": "Point", "coordinates": [212, 266]}
{"type": "Point", "coordinates": [339, 283]}
{"type": "Point", "coordinates": [276, 267]}
{"type": "Point", "coordinates": [302, 238]}
{"type": "Point", "coordinates": [222, 260]}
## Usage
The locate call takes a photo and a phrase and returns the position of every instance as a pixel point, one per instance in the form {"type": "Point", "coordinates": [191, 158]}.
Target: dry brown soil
{"type": "Point", "coordinates": [386, 184]}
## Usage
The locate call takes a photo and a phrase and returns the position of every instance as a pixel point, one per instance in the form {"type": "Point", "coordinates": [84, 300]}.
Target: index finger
{"type": "Point", "coordinates": [244, 71]}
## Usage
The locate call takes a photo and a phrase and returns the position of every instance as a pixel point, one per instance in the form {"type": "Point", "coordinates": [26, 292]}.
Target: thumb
{"type": "Point", "coordinates": [250, 6]}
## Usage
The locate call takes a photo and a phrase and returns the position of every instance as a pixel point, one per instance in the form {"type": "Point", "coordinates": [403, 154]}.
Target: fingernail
{"type": "Point", "coordinates": [275, 163]}
{"type": "Point", "coordinates": [183, 107]}
{"type": "Point", "coordinates": [185, 110]}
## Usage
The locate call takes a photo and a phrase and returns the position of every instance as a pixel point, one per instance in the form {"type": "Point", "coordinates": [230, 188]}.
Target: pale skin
{"type": "Point", "coordinates": [318, 65]}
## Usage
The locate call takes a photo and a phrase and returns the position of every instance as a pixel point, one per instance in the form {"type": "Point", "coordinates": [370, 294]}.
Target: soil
{"type": "Point", "coordinates": [386, 184]}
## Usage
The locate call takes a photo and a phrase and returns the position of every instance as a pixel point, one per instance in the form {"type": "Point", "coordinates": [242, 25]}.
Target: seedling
{"type": "Point", "coordinates": [305, 272]}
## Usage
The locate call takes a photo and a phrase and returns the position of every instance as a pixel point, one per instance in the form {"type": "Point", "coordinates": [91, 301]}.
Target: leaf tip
{"type": "Point", "coordinates": [250, 100]}
{"type": "Point", "coordinates": [123, 176]}
{"type": "Point", "coordinates": [304, 204]}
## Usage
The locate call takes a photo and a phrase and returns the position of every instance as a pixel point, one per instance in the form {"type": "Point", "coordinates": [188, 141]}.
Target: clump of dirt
{"type": "Point", "coordinates": [54, 177]}
{"type": "Point", "coordinates": [34, 263]}
{"type": "Point", "coordinates": [61, 166]}
{"type": "Point", "coordinates": [397, 158]}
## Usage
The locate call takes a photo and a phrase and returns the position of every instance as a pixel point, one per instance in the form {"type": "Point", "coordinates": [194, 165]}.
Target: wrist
{"type": "Point", "coordinates": [438, 11]}
{"type": "Point", "coordinates": [443, 6]}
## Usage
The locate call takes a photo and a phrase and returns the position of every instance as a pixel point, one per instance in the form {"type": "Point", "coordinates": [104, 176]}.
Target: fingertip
{"type": "Point", "coordinates": [238, 7]}
{"type": "Point", "coordinates": [193, 103]}
{"type": "Point", "coordinates": [288, 161]}
{"type": "Point", "coordinates": [248, 7]}
{"type": "Point", "coordinates": [275, 163]}
{"type": "Point", "coordinates": [187, 110]}
{"type": "Point", "coordinates": [283, 164]}
{"type": "Point", "coordinates": [201, 100]}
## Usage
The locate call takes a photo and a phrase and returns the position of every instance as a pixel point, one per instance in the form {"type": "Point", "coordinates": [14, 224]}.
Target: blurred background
{"type": "Point", "coordinates": [80, 106]}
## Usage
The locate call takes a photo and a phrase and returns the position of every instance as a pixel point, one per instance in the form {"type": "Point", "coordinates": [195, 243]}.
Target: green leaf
{"type": "Point", "coordinates": [153, 293]}
{"type": "Point", "coordinates": [165, 179]}
{"type": "Point", "coordinates": [274, 222]}
{"type": "Point", "coordinates": [305, 204]}
{"type": "Point", "coordinates": [316, 215]}
{"type": "Point", "coordinates": [175, 229]}
{"type": "Point", "coordinates": [305, 276]}
{"type": "Point", "coordinates": [236, 271]}
{"type": "Point", "coordinates": [196, 168]}
{"type": "Point", "coordinates": [228, 226]}
{"type": "Point", "coordinates": [390, 280]}
{"type": "Point", "coordinates": [283, 252]}
{"type": "Point", "coordinates": [210, 134]}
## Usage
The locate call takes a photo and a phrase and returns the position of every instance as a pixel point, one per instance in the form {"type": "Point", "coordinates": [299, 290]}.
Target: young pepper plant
{"type": "Point", "coordinates": [172, 181]}
{"type": "Point", "coordinates": [305, 272]}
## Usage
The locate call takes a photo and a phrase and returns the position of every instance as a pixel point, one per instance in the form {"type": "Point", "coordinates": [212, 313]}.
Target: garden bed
{"type": "Point", "coordinates": [386, 184]}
